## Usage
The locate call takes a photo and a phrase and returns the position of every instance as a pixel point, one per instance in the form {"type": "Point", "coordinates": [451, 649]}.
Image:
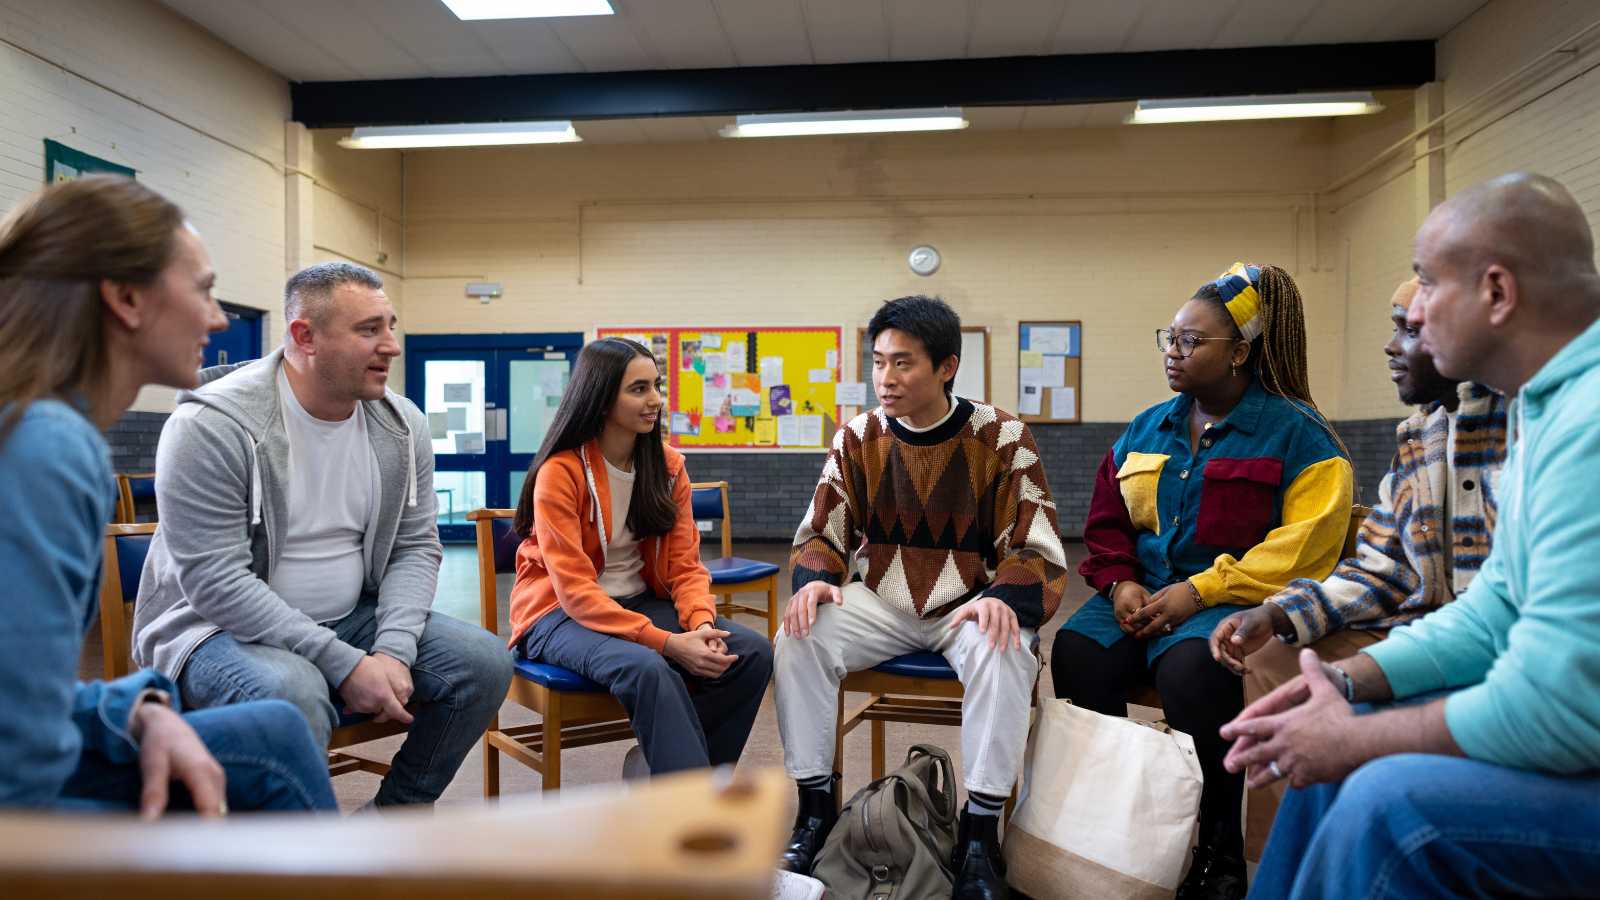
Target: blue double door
{"type": "Point", "coordinates": [489, 399]}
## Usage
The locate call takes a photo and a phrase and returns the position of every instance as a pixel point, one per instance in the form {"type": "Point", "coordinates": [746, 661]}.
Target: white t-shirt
{"type": "Point", "coordinates": [623, 576]}
{"type": "Point", "coordinates": [331, 498]}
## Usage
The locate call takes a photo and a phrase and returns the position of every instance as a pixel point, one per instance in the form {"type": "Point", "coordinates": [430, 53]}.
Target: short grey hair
{"type": "Point", "coordinates": [309, 290]}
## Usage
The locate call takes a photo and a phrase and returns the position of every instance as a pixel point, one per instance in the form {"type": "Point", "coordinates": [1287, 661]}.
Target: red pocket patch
{"type": "Point", "coordinates": [1238, 502]}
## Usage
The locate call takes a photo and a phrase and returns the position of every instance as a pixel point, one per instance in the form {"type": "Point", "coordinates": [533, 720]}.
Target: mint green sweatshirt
{"type": "Point", "coordinates": [1522, 644]}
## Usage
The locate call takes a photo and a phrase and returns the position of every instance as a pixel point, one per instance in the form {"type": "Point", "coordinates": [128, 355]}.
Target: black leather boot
{"type": "Point", "coordinates": [979, 869]}
{"type": "Point", "coordinates": [819, 810]}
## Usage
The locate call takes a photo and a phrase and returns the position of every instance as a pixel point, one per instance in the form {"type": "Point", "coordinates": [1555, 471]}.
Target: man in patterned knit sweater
{"type": "Point", "coordinates": [932, 529]}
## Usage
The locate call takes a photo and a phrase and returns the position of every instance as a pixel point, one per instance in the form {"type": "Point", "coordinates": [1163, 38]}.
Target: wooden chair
{"type": "Point", "coordinates": [732, 574]}
{"type": "Point", "coordinates": [126, 548]}
{"type": "Point", "coordinates": [131, 488]}
{"type": "Point", "coordinates": [690, 836]}
{"type": "Point", "coordinates": [574, 711]}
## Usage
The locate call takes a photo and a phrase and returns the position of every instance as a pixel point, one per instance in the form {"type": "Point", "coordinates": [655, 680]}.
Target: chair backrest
{"type": "Point", "coordinates": [1358, 514]}
{"type": "Point", "coordinates": [126, 548]}
{"type": "Point", "coordinates": [494, 538]}
{"type": "Point", "coordinates": [132, 487]}
{"type": "Point", "coordinates": [710, 504]}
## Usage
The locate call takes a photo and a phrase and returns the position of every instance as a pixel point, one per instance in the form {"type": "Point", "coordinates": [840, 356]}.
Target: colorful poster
{"type": "Point", "coordinates": [781, 403]}
{"type": "Point", "coordinates": [766, 432]}
{"type": "Point", "coordinates": [745, 389]}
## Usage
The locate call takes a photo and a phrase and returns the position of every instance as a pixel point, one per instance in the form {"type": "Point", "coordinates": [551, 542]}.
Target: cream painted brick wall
{"type": "Point", "coordinates": [1114, 227]}
{"type": "Point", "coordinates": [358, 208]}
{"type": "Point", "coordinates": [1370, 225]}
{"type": "Point", "coordinates": [1549, 127]}
{"type": "Point", "coordinates": [54, 56]}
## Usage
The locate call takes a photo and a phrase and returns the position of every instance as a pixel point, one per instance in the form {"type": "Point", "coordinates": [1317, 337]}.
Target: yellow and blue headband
{"type": "Point", "coordinates": [1238, 289]}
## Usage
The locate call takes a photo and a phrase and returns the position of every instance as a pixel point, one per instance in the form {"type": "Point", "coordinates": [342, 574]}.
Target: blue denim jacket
{"type": "Point", "coordinates": [56, 496]}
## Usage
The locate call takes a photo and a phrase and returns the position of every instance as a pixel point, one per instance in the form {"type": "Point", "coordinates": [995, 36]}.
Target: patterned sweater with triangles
{"type": "Point", "coordinates": [930, 519]}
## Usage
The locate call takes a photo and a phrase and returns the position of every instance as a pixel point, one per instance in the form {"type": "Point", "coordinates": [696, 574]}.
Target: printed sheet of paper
{"type": "Point", "coordinates": [771, 371]}
{"type": "Point", "coordinates": [469, 442]}
{"type": "Point", "coordinates": [788, 431]}
{"type": "Point", "coordinates": [1055, 371]}
{"type": "Point", "coordinates": [737, 358]}
{"type": "Point", "coordinates": [458, 393]}
{"type": "Point", "coordinates": [456, 418]}
{"type": "Point", "coordinates": [1049, 338]}
{"type": "Point", "coordinates": [821, 376]}
{"type": "Point", "coordinates": [766, 432]}
{"type": "Point", "coordinates": [850, 393]}
{"type": "Point", "coordinates": [711, 341]}
{"type": "Point", "coordinates": [438, 425]}
{"type": "Point", "coordinates": [1063, 403]}
{"type": "Point", "coordinates": [810, 431]}
{"type": "Point", "coordinates": [1028, 400]}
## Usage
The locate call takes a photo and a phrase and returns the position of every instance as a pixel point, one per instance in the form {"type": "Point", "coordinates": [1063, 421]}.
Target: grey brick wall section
{"type": "Point", "coordinates": [770, 491]}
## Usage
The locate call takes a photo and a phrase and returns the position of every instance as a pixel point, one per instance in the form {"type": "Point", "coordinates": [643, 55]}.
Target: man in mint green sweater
{"type": "Point", "coordinates": [1486, 781]}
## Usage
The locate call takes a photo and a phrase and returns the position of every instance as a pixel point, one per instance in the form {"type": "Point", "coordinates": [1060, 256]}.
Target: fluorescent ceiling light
{"type": "Point", "coordinates": [486, 134]}
{"type": "Point", "coordinates": [473, 10]}
{"type": "Point", "coordinates": [789, 124]}
{"type": "Point", "coordinates": [1229, 109]}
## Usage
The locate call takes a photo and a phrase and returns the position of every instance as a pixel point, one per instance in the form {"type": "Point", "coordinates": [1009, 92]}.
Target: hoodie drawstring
{"type": "Point", "coordinates": [411, 462]}
{"type": "Point", "coordinates": [255, 483]}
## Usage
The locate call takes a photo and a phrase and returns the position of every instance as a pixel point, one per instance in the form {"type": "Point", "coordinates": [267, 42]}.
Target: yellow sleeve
{"type": "Point", "coordinates": [1316, 515]}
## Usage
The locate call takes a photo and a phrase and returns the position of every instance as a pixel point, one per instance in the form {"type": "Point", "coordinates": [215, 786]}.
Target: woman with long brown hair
{"type": "Point", "coordinates": [609, 579]}
{"type": "Point", "coordinates": [104, 288]}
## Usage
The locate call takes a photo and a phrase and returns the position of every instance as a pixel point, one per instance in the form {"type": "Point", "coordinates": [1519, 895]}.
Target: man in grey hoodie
{"type": "Point", "coordinates": [298, 551]}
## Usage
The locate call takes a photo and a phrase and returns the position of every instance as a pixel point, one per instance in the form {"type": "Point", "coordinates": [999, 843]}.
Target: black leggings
{"type": "Point", "coordinates": [1198, 697]}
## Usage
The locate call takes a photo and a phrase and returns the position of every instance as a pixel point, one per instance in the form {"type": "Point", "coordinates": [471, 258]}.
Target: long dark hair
{"type": "Point", "coordinates": [56, 248]}
{"type": "Point", "coordinates": [582, 417]}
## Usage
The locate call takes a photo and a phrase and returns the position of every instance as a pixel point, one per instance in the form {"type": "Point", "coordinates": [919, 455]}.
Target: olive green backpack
{"type": "Point", "coordinates": [894, 837]}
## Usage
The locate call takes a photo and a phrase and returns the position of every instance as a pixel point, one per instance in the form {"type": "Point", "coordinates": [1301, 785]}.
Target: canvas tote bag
{"type": "Point", "coordinates": [1108, 807]}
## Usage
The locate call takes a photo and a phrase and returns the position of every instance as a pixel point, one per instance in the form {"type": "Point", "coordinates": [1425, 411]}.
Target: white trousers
{"type": "Point", "coordinates": [865, 631]}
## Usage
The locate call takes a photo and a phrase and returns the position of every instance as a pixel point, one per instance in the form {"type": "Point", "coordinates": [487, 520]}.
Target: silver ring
{"type": "Point", "coordinates": [1167, 628]}
{"type": "Point", "coordinates": [1277, 773]}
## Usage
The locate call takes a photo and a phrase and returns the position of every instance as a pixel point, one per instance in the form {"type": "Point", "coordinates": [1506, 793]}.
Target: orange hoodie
{"type": "Point", "coordinates": [560, 562]}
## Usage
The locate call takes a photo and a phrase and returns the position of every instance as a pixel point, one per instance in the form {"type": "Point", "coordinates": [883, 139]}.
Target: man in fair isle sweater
{"type": "Point", "coordinates": [931, 528]}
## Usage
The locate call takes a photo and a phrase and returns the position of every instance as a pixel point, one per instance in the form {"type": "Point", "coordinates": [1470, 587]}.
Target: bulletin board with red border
{"type": "Point", "coordinates": [770, 388]}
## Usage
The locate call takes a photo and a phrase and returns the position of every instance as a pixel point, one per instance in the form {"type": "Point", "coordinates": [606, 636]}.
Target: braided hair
{"type": "Point", "coordinates": [1277, 357]}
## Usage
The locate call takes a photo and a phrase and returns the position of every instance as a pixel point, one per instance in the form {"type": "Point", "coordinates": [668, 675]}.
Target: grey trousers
{"type": "Point", "coordinates": [682, 721]}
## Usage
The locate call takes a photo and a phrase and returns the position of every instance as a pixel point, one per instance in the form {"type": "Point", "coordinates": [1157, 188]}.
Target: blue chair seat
{"type": "Point", "coordinates": [923, 664]}
{"type": "Point", "coordinates": [554, 677]}
{"type": "Point", "coordinates": [734, 569]}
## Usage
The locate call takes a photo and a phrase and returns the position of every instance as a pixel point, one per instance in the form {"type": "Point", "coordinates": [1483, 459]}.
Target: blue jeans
{"type": "Point", "coordinates": [265, 750]}
{"type": "Point", "coordinates": [1417, 825]}
{"type": "Point", "coordinates": [459, 681]}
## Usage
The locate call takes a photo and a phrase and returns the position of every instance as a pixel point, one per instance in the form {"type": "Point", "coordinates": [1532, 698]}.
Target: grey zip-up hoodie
{"type": "Point", "coordinates": [222, 471]}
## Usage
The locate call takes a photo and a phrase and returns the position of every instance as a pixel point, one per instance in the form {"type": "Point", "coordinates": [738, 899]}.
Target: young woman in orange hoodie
{"type": "Point", "coordinates": [609, 579]}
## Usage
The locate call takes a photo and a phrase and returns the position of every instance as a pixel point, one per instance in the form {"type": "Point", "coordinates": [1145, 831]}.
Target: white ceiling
{"type": "Point", "coordinates": [336, 40]}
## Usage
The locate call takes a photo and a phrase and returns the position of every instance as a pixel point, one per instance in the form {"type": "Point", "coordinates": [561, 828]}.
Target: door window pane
{"type": "Point", "coordinates": [455, 405]}
{"type": "Point", "coordinates": [536, 387]}
{"type": "Point", "coordinates": [459, 493]}
{"type": "Point", "coordinates": [517, 476]}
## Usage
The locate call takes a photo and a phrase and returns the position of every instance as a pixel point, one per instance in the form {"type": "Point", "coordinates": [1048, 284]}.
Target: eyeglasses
{"type": "Point", "coordinates": [1187, 343]}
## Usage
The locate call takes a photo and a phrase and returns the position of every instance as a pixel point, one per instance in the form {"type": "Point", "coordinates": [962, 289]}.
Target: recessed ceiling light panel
{"type": "Point", "coordinates": [477, 10]}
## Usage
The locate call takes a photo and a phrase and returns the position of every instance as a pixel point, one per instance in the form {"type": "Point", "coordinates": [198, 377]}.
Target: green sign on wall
{"type": "Point", "coordinates": [62, 163]}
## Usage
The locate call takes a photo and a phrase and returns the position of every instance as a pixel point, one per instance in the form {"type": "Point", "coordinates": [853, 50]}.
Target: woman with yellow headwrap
{"type": "Point", "coordinates": [1208, 503]}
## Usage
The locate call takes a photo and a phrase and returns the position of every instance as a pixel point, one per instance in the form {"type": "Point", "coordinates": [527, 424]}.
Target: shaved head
{"type": "Point", "coordinates": [1527, 223]}
{"type": "Point", "coordinates": [1506, 270]}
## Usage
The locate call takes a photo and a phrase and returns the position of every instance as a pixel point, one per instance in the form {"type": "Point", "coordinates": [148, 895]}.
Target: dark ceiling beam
{"type": "Point", "coordinates": [1009, 81]}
